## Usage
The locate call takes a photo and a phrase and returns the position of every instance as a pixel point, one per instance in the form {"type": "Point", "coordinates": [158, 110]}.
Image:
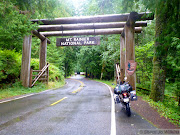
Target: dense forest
{"type": "Point", "coordinates": [157, 47]}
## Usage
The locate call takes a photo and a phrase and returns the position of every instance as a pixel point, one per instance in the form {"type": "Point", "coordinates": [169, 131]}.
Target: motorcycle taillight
{"type": "Point", "coordinates": [125, 94]}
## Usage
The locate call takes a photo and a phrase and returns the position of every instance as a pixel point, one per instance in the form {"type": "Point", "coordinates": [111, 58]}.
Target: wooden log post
{"type": "Point", "coordinates": [26, 59]}
{"type": "Point", "coordinates": [43, 53]}
{"type": "Point", "coordinates": [122, 57]}
{"type": "Point", "coordinates": [42, 57]}
{"type": "Point", "coordinates": [129, 30]}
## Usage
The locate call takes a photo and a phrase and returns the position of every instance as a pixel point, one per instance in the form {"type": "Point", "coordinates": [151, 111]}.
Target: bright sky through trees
{"type": "Point", "coordinates": [78, 4]}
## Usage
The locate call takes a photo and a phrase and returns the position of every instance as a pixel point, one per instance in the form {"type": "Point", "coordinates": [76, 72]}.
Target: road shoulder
{"type": "Point", "coordinates": [150, 114]}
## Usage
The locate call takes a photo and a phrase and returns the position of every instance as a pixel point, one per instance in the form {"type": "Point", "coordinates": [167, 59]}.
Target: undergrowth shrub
{"type": "Point", "coordinates": [35, 64]}
{"type": "Point", "coordinates": [55, 74]}
{"type": "Point", "coordinates": [10, 66]}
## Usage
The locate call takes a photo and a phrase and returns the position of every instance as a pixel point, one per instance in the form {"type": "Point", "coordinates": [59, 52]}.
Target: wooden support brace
{"type": "Point", "coordinates": [40, 36]}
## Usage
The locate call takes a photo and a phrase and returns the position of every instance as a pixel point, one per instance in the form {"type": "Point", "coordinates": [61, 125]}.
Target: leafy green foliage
{"type": "Point", "coordinates": [13, 27]}
{"type": "Point", "coordinates": [173, 66]}
{"type": "Point", "coordinates": [35, 64]}
{"type": "Point", "coordinates": [89, 59]}
{"type": "Point", "coordinates": [144, 55]}
{"type": "Point", "coordinates": [10, 65]}
{"type": "Point", "coordinates": [55, 74]}
{"type": "Point", "coordinates": [96, 7]}
{"type": "Point", "coordinates": [42, 8]}
{"type": "Point", "coordinates": [98, 61]}
{"type": "Point", "coordinates": [173, 62]}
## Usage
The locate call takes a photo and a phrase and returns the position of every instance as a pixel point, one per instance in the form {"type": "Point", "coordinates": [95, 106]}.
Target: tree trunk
{"type": "Point", "coordinates": [66, 69]}
{"type": "Point", "coordinates": [178, 90]}
{"type": "Point", "coordinates": [159, 77]}
{"type": "Point", "coordinates": [158, 81]}
{"type": "Point", "coordinates": [102, 70]}
{"type": "Point", "coordinates": [86, 73]}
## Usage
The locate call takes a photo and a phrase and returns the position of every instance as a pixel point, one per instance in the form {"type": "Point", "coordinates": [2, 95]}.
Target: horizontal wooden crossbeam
{"type": "Point", "coordinates": [89, 32]}
{"type": "Point", "coordinates": [94, 19]}
{"type": "Point", "coordinates": [88, 26]}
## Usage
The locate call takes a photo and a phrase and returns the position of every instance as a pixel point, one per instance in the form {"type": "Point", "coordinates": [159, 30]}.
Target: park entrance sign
{"type": "Point", "coordinates": [78, 41]}
{"type": "Point", "coordinates": [125, 25]}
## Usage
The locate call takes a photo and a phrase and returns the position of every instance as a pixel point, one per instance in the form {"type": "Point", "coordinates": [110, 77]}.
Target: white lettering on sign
{"type": "Point", "coordinates": [88, 42]}
{"type": "Point", "coordinates": [68, 39]}
{"type": "Point", "coordinates": [71, 43]}
{"type": "Point", "coordinates": [78, 41]}
{"type": "Point", "coordinates": [81, 39]}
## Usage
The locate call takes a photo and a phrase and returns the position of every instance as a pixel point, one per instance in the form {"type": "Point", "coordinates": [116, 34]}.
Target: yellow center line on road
{"type": "Point", "coordinates": [75, 91]}
{"type": "Point", "coordinates": [58, 101]}
{"type": "Point", "coordinates": [81, 86]}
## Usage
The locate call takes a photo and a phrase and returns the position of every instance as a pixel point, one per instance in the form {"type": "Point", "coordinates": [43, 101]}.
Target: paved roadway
{"type": "Point", "coordinates": [81, 107]}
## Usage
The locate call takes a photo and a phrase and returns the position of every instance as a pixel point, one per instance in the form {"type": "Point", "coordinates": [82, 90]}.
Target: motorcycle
{"type": "Point", "coordinates": [123, 94]}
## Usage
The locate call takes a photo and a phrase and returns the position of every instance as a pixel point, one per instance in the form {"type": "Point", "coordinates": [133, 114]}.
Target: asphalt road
{"type": "Point", "coordinates": [81, 107]}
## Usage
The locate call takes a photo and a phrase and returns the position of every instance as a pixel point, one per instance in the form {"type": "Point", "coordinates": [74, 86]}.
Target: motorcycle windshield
{"type": "Point", "coordinates": [123, 88]}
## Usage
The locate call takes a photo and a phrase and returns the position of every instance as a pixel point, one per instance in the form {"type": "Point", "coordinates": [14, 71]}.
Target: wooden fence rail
{"type": "Point", "coordinates": [41, 73]}
{"type": "Point", "coordinates": [118, 73]}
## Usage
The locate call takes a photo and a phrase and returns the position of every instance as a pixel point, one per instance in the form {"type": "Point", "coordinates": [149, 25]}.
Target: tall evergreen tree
{"type": "Point", "coordinates": [167, 25]}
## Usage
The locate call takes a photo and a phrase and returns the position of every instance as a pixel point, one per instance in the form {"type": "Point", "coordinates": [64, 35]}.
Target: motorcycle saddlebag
{"type": "Point", "coordinates": [133, 95]}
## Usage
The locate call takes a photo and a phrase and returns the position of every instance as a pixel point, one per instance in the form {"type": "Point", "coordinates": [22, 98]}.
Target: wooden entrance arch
{"type": "Point", "coordinates": [124, 24]}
